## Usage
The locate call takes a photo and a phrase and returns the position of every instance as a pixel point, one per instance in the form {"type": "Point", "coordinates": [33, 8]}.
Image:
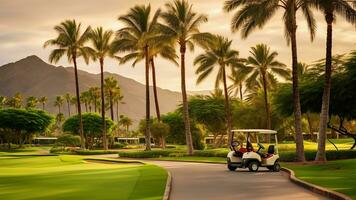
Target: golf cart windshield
{"type": "Point", "coordinates": [253, 139]}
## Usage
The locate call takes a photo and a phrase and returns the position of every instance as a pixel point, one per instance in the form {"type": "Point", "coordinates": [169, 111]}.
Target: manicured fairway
{"type": "Point", "coordinates": [339, 175]}
{"type": "Point", "coordinates": [70, 177]}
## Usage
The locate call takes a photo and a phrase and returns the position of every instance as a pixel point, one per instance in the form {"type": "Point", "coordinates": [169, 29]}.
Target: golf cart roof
{"type": "Point", "coordinates": [258, 131]}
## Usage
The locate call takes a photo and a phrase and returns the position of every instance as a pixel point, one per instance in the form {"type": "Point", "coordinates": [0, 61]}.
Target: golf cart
{"type": "Point", "coordinates": [248, 156]}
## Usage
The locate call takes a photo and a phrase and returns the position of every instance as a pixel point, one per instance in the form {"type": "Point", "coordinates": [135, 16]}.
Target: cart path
{"type": "Point", "coordinates": [214, 182]}
{"type": "Point", "coordinates": [203, 181]}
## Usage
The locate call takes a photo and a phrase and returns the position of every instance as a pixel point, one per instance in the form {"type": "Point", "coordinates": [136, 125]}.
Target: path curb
{"type": "Point", "coordinates": [315, 188]}
{"type": "Point", "coordinates": [167, 191]}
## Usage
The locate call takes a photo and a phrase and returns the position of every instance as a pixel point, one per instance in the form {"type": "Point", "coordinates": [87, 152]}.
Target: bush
{"type": "Point", "coordinates": [147, 154]}
{"type": "Point", "coordinates": [118, 145]}
{"type": "Point", "coordinates": [95, 152]}
{"type": "Point", "coordinates": [68, 140]}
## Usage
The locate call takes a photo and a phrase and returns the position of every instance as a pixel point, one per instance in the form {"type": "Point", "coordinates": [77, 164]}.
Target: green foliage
{"type": "Point", "coordinates": [118, 145]}
{"type": "Point", "coordinates": [92, 124]}
{"type": "Point", "coordinates": [177, 134]}
{"type": "Point", "coordinates": [29, 121]}
{"type": "Point", "coordinates": [159, 129]}
{"type": "Point", "coordinates": [68, 140]}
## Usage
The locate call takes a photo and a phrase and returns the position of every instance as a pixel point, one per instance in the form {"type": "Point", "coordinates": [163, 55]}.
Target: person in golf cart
{"type": "Point", "coordinates": [240, 157]}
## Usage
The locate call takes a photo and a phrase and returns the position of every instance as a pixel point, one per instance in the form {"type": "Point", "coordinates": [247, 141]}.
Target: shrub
{"type": "Point", "coordinates": [118, 145]}
{"type": "Point", "coordinates": [95, 152]}
{"type": "Point", "coordinates": [68, 140]}
{"type": "Point", "coordinates": [147, 154]}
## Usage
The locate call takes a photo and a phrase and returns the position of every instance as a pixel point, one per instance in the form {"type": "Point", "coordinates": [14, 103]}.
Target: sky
{"type": "Point", "coordinates": [26, 24]}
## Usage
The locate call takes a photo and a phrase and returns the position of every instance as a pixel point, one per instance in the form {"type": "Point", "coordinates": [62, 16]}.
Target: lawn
{"type": "Point", "coordinates": [195, 159]}
{"type": "Point", "coordinates": [338, 175]}
{"type": "Point", "coordinates": [71, 177]}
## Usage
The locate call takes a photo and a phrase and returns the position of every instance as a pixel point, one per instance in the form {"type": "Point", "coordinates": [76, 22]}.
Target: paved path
{"type": "Point", "coordinates": [200, 181]}
{"type": "Point", "coordinates": [214, 182]}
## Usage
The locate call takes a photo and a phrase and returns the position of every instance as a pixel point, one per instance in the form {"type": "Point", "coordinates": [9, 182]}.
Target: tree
{"type": "Point", "coordinates": [238, 77]}
{"type": "Point", "coordinates": [329, 8]}
{"type": "Point", "coordinates": [68, 97]}
{"type": "Point", "coordinates": [93, 127]}
{"type": "Point", "coordinates": [15, 101]}
{"type": "Point", "coordinates": [219, 54]}
{"type": "Point", "coordinates": [111, 88]}
{"type": "Point", "coordinates": [136, 37]}
{"type": "Point", "coordinates": [31, 102]}
{"type": "Point", "coordinates": [182, 26]}
{"type": "Point", "coordinates": [19, 124]}
{"type": "Point", "coordinates": [59, 102]}
{"type": "Point", "coordinates": [2, 101]}
{"type": "Point", "coordinates": [255, 14]}
{"type": "Point", "coordinates": [71, 42]}
{"type": "Point", "coordinates": [263, 68]}
{"type": "Point", "coordinates": [68, 140]}
{"type": "Point", "coordinates": [102, 43]}
{"type": "Point", "coordinates": [43, 100]}
{"type": "Point", "coordinates": [85, 98]}
{"type": "Point", "coordinates": [126, 122]}
{"type": "Point", "coordinates": [210, 112]}
{"type": "Point", "coordinates": [94, 94]}
{"type": "Point", "coordinates": [160, 131]}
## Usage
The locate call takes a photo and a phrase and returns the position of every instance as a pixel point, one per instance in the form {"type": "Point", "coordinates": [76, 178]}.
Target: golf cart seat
{"type": "Point", "coordinates": [270, 149]}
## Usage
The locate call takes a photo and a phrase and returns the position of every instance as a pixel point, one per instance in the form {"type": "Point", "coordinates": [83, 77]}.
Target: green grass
{"type": "Point", "coordinates": [338, 175]}
{"type": "Point", "coordinates": [35, 150]}
{"type": "Point", "coordinates": [70, 177]}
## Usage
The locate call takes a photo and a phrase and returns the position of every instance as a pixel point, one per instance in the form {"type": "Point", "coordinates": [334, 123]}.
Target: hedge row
{"type": "Point", "coordinates": [284, 156]}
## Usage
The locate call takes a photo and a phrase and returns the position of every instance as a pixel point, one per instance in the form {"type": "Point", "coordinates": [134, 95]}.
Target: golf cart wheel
{"type": "Point", "coordinates": [231, 168]}
{"type": "Point", "coordinates": [253, 166]}
{"type": "Point", "coordinates": [276, 167]}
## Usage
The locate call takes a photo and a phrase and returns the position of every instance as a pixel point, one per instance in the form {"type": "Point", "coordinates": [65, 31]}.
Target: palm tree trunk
{"type": "Point", "coordinates": [43, 106]}
{"type": "Point", "coordinates": [81, 132]}
{"type": "Point", "coordinates": [188, 135]}
{"type": "Point", "coordinates": [105, 142]}
{"type": "Point", "coordinates": [241, 97]}
{"type": "Point", "coordinates": [227, 108]}
{"type": "Point", "coordinates": [155, 89]}
{"type": "Point", "coordinates": [310, 125]}
{"type": "Point", "coordinates": [320, 155]}
{"type": "Point", "coordinates": [268, 112]}
{"type": "Point", "coordinates": [296, 98]}
{"type": "Point", "coordinates": [111, 105]}
{"type": "Point", "coordinates": [68, 105]}
{"type": "Point", "coordinates": [148, 128]}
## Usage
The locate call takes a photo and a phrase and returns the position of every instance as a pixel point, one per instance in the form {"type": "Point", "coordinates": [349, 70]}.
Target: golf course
{"type": "Point", "coordinates": [68, 177]}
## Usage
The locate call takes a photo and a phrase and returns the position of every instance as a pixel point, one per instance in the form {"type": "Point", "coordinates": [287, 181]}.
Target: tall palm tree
{"type": "Point", "coordinates": [71, 42]}
{"type": "Point", "coordinates": [219, 54]}
{"type": "Point", "coordinates": [182, 26]}
{"type": "Point", "coordinates": [68, 97]}
{"type": "Point", "coordinates": [111, 88]}
{"type": "Point", "coordinates": [16, 100]}
{"type": "Point", "coordinates": [118, 100]}
{"type": "Point", "coordinates": [136, 37]}
{"type": "Point", "coordinates": [31, 102]}
{"type": "Point", "coordinates": [59, 102]}
{"type": "Point", "coordinates": [263, 69]}
{"type": "Point", "coordinates": [74, 101]}
{"type": "Point", "coordinates": [102, 42]}
{"type": "Point", "coordinates": [85, 98]}
{"type": "Point", "coordinates": [330, 8]}
{"type": "Point", "coordinates": [43, 100]}
{"type": "Point", "coordinates": [255, 14]}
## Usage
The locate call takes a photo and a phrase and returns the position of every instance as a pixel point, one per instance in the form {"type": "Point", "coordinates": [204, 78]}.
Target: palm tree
{"type": "Point", "coordinates": [85, 98]}
{"type": "Point", "coordinates": [68, 97]}
{"type": "Point", "coordinates": [16, 100]}
{"type": "Point", "coordinates": [126, 122]}
{"type": "Point", "coordinates": [71, 42]}
{"type": "Point", "coordinates": [102, 43]}
{"type": "Point", "coordinates": [74, 101]}
{"type": "Point", "coordinates": [219, 54]}
{"type": "Point", "coordinates": [329, 8]}
{"type": "Point", "coordinates": [263, 69]}
{"type": "Point", "coordinates": [255, 14]}
{"type": "Point", "coordinates": [238, 77]}
{"type": "Point", "coordinates": [118, 100]}
{"type": "Point", "coordinates": [136, 37]}
{"type": "Point", "coordinates": [43, 100]}
{"type": "Point", "coordinates": [2, 101]}
{"type": "Point", "coordinates": [111, 88]}
{"type": "Point", "coordinates": [94, 93]}
{"type": "Point", "coordinates": [31, 102]}
{"type": "Point", "coordinates": [182, 26]}
{"type": "Point", "coordinates": [59, 102]}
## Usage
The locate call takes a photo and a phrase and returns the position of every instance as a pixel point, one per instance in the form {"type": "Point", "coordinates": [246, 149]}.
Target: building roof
{"type": "Point", "coordinates": [258, 131]}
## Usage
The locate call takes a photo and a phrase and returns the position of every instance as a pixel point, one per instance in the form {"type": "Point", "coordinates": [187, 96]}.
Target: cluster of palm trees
{"type": "Point", "coordinates": [146, 35]}
{"type": "Point", "coordinates": [17, 101]}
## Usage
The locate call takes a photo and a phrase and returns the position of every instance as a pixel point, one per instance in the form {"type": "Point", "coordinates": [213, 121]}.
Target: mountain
{"type": "Point", "coordinates": [32, 76]}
